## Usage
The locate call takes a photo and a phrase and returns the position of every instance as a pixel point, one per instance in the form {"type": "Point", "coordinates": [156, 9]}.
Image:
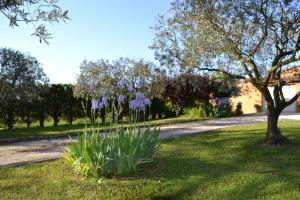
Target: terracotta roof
{"type": "Point", "coordinates": [291, 74]}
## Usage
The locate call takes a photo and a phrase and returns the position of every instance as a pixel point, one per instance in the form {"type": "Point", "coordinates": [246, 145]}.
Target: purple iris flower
{"type": "Point", "coordinates": [147, 101]}
{"type": "Point", "coordinates": [133, 104]}
{"type": "Point", "coordinates": [101, 105]}
{"type": "Point", "coordinates": [141, 105]}
{"type": "Point", "coordinates": [92, 87]}
{"type": "Point", "coordinates": [140, 96]}
{"type": "Point", "coordinates": [121, 83]}
{"type": "Point", "coordinates": [104, 100]}
{"type": "Point", "coordinates": [106, 91]}
{"type": "Point", "coordinates": [121, 99]}
{"type": "Point", "coordinates": [95, 104]}
{"type": "Point", "coordinates": [130, 88]}
{"type": "Point", "coordinates": [82, 83]}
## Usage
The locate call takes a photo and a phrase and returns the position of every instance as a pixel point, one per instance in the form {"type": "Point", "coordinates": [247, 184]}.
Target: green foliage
{"type": "Point", "coordinates": [33, 12]}
{"type": "Point", "coordinates": [198, 109]}
{"type": "Point", "coordinates": [194, 111]}
{"type": "Point", "coordinates": [117, 153]}
{"type": "Point", "coordinates": [20, 76]}
{"type": "Point", "coordinates": [220, 111]}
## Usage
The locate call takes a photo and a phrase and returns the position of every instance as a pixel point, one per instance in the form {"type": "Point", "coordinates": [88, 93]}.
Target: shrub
{"type": "Point", "coordinates": [258, 108]}
{"type": "Point", "coordinates": [117, 153]}
{"type": "Point", "coordinates": [220, 107]}
{"type": "Point", "coordinates": [238, 109]}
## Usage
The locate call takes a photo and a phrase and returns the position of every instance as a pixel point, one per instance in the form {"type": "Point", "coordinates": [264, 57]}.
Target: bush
{"type": "Point", "coordinates": [195, 112]}
{"type": "Point", "coordinates": [117, 153]}
{"type": "Point", "coordinates": [220, 107]}
{"type": "Point", "coordinates": [238, 109]}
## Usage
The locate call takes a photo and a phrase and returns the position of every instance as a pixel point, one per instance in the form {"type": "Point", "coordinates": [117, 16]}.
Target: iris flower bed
{"type": "Point", "coordinates": [120, 151]}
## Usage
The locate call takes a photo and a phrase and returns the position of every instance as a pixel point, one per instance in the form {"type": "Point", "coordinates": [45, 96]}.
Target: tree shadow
{"type": "Point", "coordinates": [242, 154]}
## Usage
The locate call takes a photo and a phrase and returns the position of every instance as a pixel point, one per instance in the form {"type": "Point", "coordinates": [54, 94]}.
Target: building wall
{"type": "Point", "coordinates": [298, 100]}
{"type": "Point", "coordinates": [249, 97]}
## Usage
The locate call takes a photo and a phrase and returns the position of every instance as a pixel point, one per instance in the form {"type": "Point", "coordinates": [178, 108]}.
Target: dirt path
{"type": "Point", "coordinates": [42, 150]}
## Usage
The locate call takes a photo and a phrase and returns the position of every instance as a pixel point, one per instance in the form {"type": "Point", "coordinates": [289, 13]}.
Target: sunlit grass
{"type": "Point", "coordinates": [226, 164]}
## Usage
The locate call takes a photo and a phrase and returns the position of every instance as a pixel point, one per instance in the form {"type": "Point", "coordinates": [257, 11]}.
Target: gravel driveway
{"type": "Point", "coordinates": [42, 150]}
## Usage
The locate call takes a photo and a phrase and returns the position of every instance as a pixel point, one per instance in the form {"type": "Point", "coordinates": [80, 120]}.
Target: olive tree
{"type": "Point", "coordinates": [34, 12]}
{"type": "Point", "coordinates": [251, 40]}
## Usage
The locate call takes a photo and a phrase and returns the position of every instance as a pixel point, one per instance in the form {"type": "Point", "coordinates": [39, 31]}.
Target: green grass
{"type": "Point", "coordinates": [76, 127]}
{"type": "Point", "coordinates": [224, 164]}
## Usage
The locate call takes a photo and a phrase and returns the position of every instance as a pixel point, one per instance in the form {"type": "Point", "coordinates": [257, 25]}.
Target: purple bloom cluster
{"type": "Point", "coordinates": [130, 88]}
{"type": "Point", "coordinates": [92, 88]}
{"type": "Point", "coordinates": [121, 99]}
{"type": "Point", "coordinates": [83, 83]}
{"type": "Point", "coordinates": [121, 84]}
{"type": "Point", "coordinates": [104, 100]}
{"type": "Point", "coordinates": [95, 104]}
{"type": "Point", "coordinates": [99, 104]}
{"type": "Point", "coordinates": [133, 104]}
{"type": "Point", "coordinates": [140, 102]}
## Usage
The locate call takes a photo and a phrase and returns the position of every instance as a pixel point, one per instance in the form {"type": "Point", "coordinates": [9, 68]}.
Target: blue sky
{"type": "Point", "coordinates": [99, 29]}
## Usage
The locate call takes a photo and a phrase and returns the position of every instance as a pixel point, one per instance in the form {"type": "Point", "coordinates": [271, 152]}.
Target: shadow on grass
{"type": "Point", "coordinates": [203, 162]}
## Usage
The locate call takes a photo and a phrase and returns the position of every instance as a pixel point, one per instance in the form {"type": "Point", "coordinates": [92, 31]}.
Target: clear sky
{"type": "Point", "coordinates": [98, 29]}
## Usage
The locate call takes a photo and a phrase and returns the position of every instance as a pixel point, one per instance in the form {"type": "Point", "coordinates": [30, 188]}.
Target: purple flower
{"type": "Point", "coordinates": [147, 101]}
{"type": "Point", "coordinates": [140, 96]}
{"type": "Point", "coordinates": [92, 87]}
{"type": "Point", "coordinates": [130, 88]}
{"type": "Point", "coordinates": [83, 83]}
{"type": "Point", "coordinates": [133, 104]}
{"type": "Point", "coordinates": [141, 105]}
{"type": "Point", "coordinates": [121, 99]}
{"type": "Point", "coordinates": [101, 105]}
{"type": "Point", "coordinates": [95, 104]}
{"type": "Point", "coordinates": [121, 83]}
{"type": "Point", "coordinates": [106, 91]}
{"type": "Point", "coordinates": [104, 100]}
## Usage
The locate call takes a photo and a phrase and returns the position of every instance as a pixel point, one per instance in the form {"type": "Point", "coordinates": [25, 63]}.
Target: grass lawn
{"type": "Point", "coordinates": [225, 164]}
{"type": "Point", "coordinates": [76, 127]}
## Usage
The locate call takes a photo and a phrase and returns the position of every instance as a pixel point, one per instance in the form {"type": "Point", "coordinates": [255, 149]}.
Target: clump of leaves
{"type": "Point", "coordinates": [117, 153]}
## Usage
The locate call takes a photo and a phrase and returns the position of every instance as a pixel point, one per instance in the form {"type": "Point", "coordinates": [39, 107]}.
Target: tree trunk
{"type": "Point", "coordinates": [42, 122]}
{"type": "Point", "coordinates": [177, 110]}
{"type": "Point", "coordinates": [206, 108]}
{"type": "Point", "coordinates": [28, 120]}
{"type": "Point", "coordinates": [55, 120]}
{"type": "Point", "coordinates": [70, 118]}
{"type": "Point", "coordinates": [102, 116]}
{"type": "Point", "coordinates": [273, 135]}
{"type": "Point", "coordinates": [10, 118]}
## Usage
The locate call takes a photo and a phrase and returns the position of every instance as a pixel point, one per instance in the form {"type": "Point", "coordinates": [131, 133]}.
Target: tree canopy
{"type": "Point", "coordinates": [20, 75]}
{"type": "Point", "coordinates": [245, 39]}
